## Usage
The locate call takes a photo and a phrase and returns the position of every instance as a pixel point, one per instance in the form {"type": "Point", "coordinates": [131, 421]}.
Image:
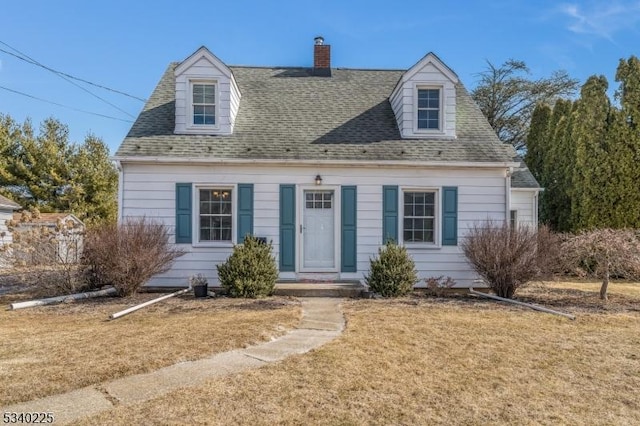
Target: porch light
{"type": "Point", "coordinates": [318, 180]}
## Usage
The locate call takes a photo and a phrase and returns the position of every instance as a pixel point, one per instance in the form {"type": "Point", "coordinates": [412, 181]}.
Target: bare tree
{"type": "Point", "coordinates": [604, 253]}
{"type": "Point", "coordinates": [507, 97]}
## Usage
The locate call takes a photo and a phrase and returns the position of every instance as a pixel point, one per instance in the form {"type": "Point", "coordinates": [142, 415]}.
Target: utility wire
{"type": "Point", "coordinates": [69, 80]}
{"type": "Point", "coordinates": [64, 106]}
{"type": "Point", "coordinates": [22, 58]}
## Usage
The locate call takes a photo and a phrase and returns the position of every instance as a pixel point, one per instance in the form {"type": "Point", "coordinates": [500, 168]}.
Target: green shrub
{"type": "Point", "coordinates": [392, 273]}
{"type": "Point", "coordinates": [250, 271]}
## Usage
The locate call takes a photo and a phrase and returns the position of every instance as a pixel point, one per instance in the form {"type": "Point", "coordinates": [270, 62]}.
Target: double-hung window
{"type": "Point", "coordinates": [215, 214]}
{"type": "Point", "coordinates": [419, 215]}
{"type": "Point", "coordinates": [429, 108]}
{"type": "Point", "coordinates": [203, 96]}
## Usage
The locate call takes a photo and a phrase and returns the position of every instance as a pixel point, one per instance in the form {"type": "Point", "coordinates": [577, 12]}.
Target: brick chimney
{"type": "Point", "coordinates": [321, 58]}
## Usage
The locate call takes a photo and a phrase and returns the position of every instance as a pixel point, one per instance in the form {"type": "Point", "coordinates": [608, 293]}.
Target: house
{"type": "Point", "coordinates": [58, 237]}
{"type": "Point", "coordinates": [326, 163]}
{"type": "Point", "coordinates": [7, 207]}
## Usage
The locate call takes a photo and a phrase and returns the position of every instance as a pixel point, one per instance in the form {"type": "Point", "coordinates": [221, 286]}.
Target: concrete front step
{"type": "Point", "coordinates": [322, 289]}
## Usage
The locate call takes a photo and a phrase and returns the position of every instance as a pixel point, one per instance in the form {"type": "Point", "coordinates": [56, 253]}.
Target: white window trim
{"type": "Point", "coordinates": [517, 218]}
{"type": "Point", "coordinates": [189, 117]}
{"type": "Point", "coordinates": [440, 130]}
{"type": "Point", "coordinates": [437, 220]}
{"type": "Point", "coordinates": [196, 215]}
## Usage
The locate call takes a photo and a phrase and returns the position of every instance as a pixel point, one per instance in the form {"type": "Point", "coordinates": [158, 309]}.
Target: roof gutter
{"type": "Point", "coordinates": [9, 207]}
{"type": "Point", "coordinates": [527, 189]}
{"type": "Point", "coordinates": [297, 162]}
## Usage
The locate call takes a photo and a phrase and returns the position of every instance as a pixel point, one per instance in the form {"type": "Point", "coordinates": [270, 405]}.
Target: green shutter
{"type": "Point", "coordinates": [287, 228]}
{"type": "Point", "coordinates": [348, 229]}
{"type": "Point", "coordinates": [450, 216]}
{"type": "Point", "coordinates": [389, 213]}
{"type": "Point", "coordinates": [245, 210]}
{"type": "Point", "coordinates": [183, 213]}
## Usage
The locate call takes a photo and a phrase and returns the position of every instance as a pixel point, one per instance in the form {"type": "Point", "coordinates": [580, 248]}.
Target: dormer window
{"type": "Point", "coordinates": [424, 100]}
{"type": "Point", "coordinates": [428, 108]}
{"type": "Point", "coordinates": [207, 96]}
{"type": "Point", "coordinates": [203, 95]}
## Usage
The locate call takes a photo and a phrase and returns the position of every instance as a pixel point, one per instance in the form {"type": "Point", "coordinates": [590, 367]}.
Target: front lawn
{"type": "Point", "coordinates": [438, 361]}
{"type": "Point", "coordinates": [54, 349]}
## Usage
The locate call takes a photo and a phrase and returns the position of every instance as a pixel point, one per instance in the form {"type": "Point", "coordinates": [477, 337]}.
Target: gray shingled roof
{"type": "Point", "coordinates": [8, 204]}
{"type": "Point", "coordinates": [287, 113]}
{"type": "Point", "coordinates": [522, 177]}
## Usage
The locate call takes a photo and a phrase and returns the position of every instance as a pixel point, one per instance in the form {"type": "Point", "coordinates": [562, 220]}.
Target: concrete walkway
{"type": "Point", "coordinates": [322, 321]}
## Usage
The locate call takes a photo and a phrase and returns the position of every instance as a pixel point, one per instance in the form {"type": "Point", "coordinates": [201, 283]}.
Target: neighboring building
{"type": "Point", "coordinates": [67, 232]}
{"type": "Point", "coordinates": [7, 207]}
{"type": "Point", "coordinates": [524, 196]}
{"type": "Point", "coordinates": [326, 163]}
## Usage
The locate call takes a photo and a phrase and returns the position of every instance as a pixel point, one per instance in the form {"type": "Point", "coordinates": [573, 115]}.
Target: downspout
{"type": "Point", "coordinates": [120, 189]}
{"type": "Point", "coordinates": [507, 196]}
{"type": "Point", "coordinates": [535, 209]}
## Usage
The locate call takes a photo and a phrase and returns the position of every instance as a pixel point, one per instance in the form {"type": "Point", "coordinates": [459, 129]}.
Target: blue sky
{"type": "Point", "coordinates": [126, 45]}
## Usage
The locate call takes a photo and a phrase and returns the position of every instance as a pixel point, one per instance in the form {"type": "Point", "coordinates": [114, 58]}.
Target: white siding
{"type": "Point", "coordinates": [205, 67]}
{"type": "Point", "coordinates": [403, 100]}
{"type": "Point", "coordinates": [524, 202]}
{"type": "Point", "coordinates": [5, 234]}
{"type": "Point", "coordinates": [149, 190]}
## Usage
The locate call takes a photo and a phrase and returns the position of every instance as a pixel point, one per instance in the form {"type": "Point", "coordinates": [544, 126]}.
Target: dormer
{"type": "Point", "coordinates": [424, 100]}
{"type": "Point", "coordinates": [207, 96]}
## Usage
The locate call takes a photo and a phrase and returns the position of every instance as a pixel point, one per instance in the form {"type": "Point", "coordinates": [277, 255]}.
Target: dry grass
{"type": "Point", "coordinates": [53, 349]}
{"type": "Point", "coordinates": [433, 361]}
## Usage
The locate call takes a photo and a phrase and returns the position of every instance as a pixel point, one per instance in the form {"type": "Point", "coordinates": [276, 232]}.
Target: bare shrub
{"type": "Point", "coordinates": [127, 255]}
{"type": "Point", "coordinates": [45, 256]}
{"type": "Point", "coordinates": [439, 286]}
{"type": "Point", "coordinates": [508, 258]}
{"type": "Point", "coordinates": [603, 253]}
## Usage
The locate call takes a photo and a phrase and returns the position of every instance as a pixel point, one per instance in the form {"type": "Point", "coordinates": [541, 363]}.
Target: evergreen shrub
{"type": "Point", "coordinates": [250, 271]}
{"type": "Point", "coordinates": [392, 273]}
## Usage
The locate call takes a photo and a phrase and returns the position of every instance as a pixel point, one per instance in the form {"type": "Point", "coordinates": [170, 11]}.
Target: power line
{"type": "Point", "coordinates": [22, 58]}
{"type": "Point", "coordinates": [64, 106]}
{"type": "Point", "coordinates": [69, 80]}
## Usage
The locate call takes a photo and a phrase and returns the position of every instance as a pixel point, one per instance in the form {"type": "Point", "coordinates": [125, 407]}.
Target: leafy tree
{"type": "Point", "coordinates": [52, 174]}
{"type": "Point", "coordinates": [507, 97]}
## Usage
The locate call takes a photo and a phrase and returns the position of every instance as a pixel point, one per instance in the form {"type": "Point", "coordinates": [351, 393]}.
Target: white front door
{"type": "Point", "coordinates": [318, 230]}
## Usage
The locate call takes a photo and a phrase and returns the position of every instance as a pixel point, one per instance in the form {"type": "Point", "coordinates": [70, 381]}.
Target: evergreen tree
{"type": "Point", "coordinates": [54, 175]}
{"type": "Point", "coordinates": [537, 141]}
{"type": "Point", "coordinates": [591, 192]}
{"type": "Point", "coordinates": [565, 165]}
{"type": "Point", "coordinates": [95, 183]}
{"type": "Point", "coordinates": [624, 139]}
{"type": "Point", "coordinates": [552, 174]}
